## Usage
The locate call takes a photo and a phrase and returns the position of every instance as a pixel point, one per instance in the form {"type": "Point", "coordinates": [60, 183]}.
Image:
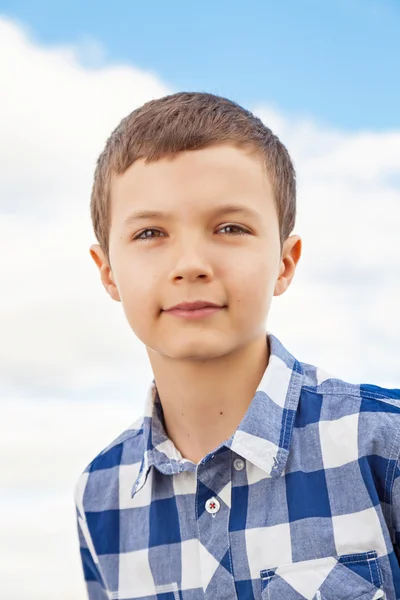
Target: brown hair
{"type": "Point", "coordinates": [190, 121]}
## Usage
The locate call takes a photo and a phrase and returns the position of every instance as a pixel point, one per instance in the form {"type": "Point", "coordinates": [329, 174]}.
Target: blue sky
{"type": "Point", "coordinates": [337, 61]}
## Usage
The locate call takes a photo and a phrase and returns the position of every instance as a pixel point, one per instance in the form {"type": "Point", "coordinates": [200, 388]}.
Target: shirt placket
{"type": "Point", "coordinates": [213, 514]}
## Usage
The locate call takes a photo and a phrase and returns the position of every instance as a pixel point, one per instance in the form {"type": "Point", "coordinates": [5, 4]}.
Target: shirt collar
{"type": "Point", "coordinates": [264, 435]}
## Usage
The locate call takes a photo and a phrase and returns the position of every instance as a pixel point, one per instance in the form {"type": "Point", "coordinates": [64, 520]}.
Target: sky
{"type": "Point", "coordinates": [72, 375]}
{"type": "Point", "coordinates": [338, 61]}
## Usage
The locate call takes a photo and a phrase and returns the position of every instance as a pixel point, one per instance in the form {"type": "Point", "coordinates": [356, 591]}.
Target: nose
{"type": "Point", "coordinates": [192, 263]}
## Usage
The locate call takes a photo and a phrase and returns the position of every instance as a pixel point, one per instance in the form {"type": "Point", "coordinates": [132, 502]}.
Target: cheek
{"type": "Point", "coordinates": [253, 277]}
{"type": "Point", "coordinates": [140, 312]}
{"type": "Point", "coordinates": [246, 293]}
{"type": "Point", "coordinates": [137, 292]}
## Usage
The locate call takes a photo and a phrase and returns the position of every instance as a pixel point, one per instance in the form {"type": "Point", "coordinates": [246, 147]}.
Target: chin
{"type": "Point", "coordinates": [197, 346]}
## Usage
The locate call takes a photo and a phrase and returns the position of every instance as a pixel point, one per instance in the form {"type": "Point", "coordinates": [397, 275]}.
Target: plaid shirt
{"type": "Point", "coordinates": [303, 501]}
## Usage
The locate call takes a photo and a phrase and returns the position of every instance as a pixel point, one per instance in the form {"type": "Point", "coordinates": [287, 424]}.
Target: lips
{"type": "Point", "coordinates": [195, 314]}
{"type": "Point", "coordinates": [199, 304]}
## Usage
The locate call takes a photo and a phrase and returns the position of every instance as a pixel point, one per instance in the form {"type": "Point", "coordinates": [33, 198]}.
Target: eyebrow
{"type": "Point", "coordinates": [219, 210]}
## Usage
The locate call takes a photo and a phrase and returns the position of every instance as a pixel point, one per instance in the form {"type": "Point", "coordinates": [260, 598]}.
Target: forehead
{"type": "Point", "coordinates": [194, 181]}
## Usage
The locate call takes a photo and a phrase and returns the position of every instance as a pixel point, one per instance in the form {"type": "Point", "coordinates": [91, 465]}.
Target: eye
{"type": "Point", "coordinates": [241, 230]}
{"type": "Point", "coordinates": [139, 236]}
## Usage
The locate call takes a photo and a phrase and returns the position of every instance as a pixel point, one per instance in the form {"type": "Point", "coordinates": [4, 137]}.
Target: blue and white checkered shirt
{"type": "Point", "coordinates": [303, 501]}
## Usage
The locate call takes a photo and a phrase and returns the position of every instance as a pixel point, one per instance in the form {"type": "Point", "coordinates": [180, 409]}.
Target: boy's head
{"type": "Point", "coordinates": [188, 155]}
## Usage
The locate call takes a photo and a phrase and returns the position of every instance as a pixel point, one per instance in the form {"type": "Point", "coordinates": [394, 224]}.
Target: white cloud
{"type": "Point", "coordinates": [55, 119]}
{"type": "Point", "coordinates": [341, 310]}
{"type": "Point", "coordinates": [66, 341]}
{"type": "Point", "coordinates": [47, 443]}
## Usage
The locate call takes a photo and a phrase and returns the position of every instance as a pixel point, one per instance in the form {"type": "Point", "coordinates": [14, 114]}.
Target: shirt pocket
{"type": "Point", "coordinates": [344, 577]}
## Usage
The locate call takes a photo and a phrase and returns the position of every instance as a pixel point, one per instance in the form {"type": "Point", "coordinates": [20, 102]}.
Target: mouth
{"type": "Point", "coordinates": [197, 313]}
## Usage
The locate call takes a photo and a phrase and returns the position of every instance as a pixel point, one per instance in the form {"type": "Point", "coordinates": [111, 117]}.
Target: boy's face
{"type": "Point", "coordinates": [195, 253]}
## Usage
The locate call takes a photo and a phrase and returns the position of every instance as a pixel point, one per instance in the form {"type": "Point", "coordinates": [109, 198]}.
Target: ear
{"type": "Point", "coordinates": [107, 277]}
{"type": "Point", "coordinates": [291, 253]}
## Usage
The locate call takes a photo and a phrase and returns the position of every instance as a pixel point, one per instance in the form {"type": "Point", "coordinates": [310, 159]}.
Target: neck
{"type": "Point", "coordinates": [204, 402]}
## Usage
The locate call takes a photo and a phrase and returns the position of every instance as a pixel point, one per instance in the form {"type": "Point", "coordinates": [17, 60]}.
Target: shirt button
{"type": "Point", "coordinates": [212, 506]}
{"type": "Point", "coordinates": [238, 463]}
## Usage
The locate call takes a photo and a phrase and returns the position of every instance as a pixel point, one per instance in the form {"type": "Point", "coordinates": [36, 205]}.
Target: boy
{"type": "Point", "coordinates": [251, 475]}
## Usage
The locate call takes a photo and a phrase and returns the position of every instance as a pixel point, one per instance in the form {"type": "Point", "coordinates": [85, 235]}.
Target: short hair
{"type": "Point", "coordinates": [190, 121]}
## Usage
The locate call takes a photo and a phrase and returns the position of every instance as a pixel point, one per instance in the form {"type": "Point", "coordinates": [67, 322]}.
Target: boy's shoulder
{"type": "Point", "coordinates": [363, 415]}
{"type": "Point", "coordinates": [339, 396]}
{"type": "Point", "coordinates": [125, 451]}
{"type": "Point", "coordinates": [316, 379]}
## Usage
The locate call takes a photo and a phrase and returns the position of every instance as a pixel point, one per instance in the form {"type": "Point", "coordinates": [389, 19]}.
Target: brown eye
{"type": "Point", "coordinates": [139, 236]}
{"type": "Point", "coordinates": [242, 230]}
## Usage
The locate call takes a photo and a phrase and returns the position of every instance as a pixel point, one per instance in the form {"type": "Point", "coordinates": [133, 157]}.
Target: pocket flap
{"type": "Point", "coordinates": [343, 582]}
{"type": "Point", "coordinates": [330, 578]}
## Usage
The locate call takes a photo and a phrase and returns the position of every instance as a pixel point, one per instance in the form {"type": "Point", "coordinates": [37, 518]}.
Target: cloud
{"type": "Point", "coordinates": [55, 119]}
{"type": "Point", "coordinates": [47, 444]}
{"type": "Point", "coordinates": [341, 310]}
{"type": "Point", "coordinates": [72, 373]}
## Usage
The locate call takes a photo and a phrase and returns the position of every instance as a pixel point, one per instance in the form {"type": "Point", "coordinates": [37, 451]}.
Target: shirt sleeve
{"type": "Point", "coordinates": [94, 582]}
